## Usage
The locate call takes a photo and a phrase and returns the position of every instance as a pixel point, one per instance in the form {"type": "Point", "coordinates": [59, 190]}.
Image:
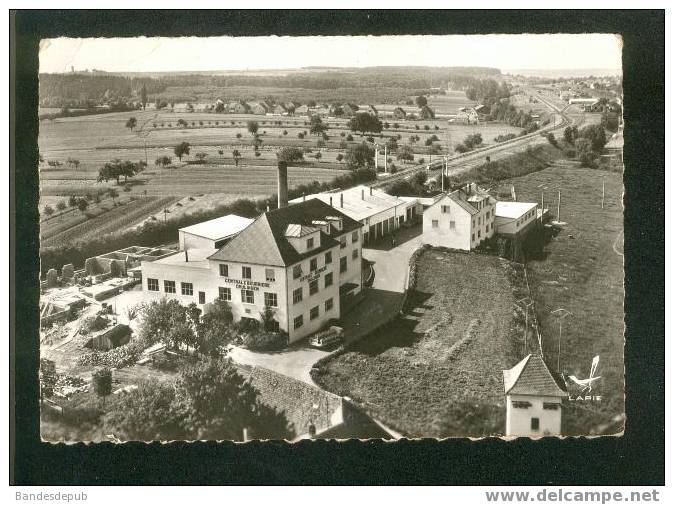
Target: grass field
{"type": "Point", "coordinates": [437, 371]}
{"type": "Point", "coordinates": [583, 273]}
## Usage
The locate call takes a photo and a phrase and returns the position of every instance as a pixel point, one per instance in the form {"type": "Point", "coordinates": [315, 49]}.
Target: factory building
{"type": "Point", "coordinates": [303, 261]}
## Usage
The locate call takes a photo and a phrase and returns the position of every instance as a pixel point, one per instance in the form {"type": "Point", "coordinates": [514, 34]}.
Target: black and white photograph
{"type": "Point", "coordinates": [357, 237]}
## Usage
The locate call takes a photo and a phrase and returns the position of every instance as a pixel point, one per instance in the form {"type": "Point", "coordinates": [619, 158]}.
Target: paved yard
{"type": "Point", "coordinates": [294, 362]}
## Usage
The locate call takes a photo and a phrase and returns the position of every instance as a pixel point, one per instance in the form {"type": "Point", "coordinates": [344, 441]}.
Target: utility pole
{"type": "Point", "coordinates": [559, 206]}
{"type": "Point", "coordinates": [542, 205]}
{"type": "Point", "coordinates": [561, 315]}
{"type": "Point", "coordinates": [376, 158]}
{"type": "Point", "coordinates": [385, 161]}
{"type": "Point", "coordinates": [527, 302]}
{"type": "Point", "coordinates": [603, 190]}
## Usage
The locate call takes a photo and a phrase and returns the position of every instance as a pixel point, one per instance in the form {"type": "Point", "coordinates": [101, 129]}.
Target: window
{"type": "Point", "coordinates": [354, 254]}
{"type": "Point", "coordinates": [517, 224]}
{"type": "Point", "coordinates": [313, 264]}
{"type": "Point", "coordinates": [434, 223]}
{"type": "Point", "coordinates": [224, 270]}
{"type": "Point", "coordinates": [342, 242]}
{"type": "Point", "coordinates": [246, 273]}
{"type": "Point", "coordinates": [452, 225]}
{"type": "Point", "coordinates": [225, 294]}
{"type": "Point", "coordinates": [328, 257]}
{"type": "Point", "coordinates": [297, 295]}
{"type": "Point", "coordinates": [550, 406]}
{"type": "Point", "coordinates": [328, 279]}
{"type": "Point", "coordinates": [313, 287]}
{"type": "Point", "coordinates": [298, 322]}
{"type": "Point", "coordinates": [354, 237]}
{"type": "Point", "coordinates": [444, 209]}
{"type": "Point", "coordinates": [521, 405]}
{"type": "Point", "coordinates": [328, 305]}
{"type": "Point", "coordinates": [152, 284]}
{"type": "Point", "coordinates": [186, 288]}
{"type": "Point", "coordinates": [297, 271]}
{"type": "Point", "coordinates": [479, 233]}
{"type": "Point", "coordinates": [473, 223]}
{"type": "Point", "coordinates": [535, 424]}
{"type": "Point", "coordinates": [202, 297]}
{"type": "Point", "coordinates": [270, 300]}
{"type": "Point", "coordinates": [310, 243]}
{"type": "Point", "coordinates": [169, 286]}
{"type": "Point", "coordinates": [270, 274]}
{"type": "Point", "coordinates": [479, 220]}
{"type": "Point", "coordinates": [247, 296]}
{"type": "Point", "coordinates": [472, 237]}
{"type": "Point", "coordinates": [313, 313]}
{"type": "Point", "coordinates": [342, 264]}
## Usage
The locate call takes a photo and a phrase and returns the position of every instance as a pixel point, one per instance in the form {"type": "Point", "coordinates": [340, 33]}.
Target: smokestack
{"type": "Point", "coordinates": [341, 200]}
{"type": "Point", "coordinates": [330, 201]}
{"type": "Point", "coordinates": [282, 184]}
{"type": "Point", "coordinates": [362, 194]}
{"type": "Point", "coordinates": [186, 258]}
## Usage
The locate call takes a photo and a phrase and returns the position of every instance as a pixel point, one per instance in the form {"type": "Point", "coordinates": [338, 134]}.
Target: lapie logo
{"type": "Point", "coordinates": [581, 389]}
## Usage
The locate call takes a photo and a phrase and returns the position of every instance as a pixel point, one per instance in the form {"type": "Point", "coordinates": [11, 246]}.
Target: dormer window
{"type": "Point", "coordinates": [310, 243]}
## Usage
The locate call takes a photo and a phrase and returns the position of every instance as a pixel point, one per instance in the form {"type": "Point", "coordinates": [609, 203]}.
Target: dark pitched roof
{"type": "Point", "coordinates": [531, 376]}
{"type": "Point", "coordinates": [463, 204]}
{"type": "Point", "coordinates": [264, 242]}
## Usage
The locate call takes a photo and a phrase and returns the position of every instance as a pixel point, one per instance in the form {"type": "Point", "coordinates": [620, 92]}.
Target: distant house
{"type": "Point", "coordinates": [302, 110]}
{"type": "Point", "coordinates": [427, 113]}
{"type": "Point", "coordinates": [291, 106]}
{"type": "Point", "coordinates": [259, 108]}
{"type": "Point", "coordinates": [533, 399]}
{"type": "Point", "coordinates": [279, 110]}
{"type": "Point", "coordinates": [482, 111]}
{"type": "Point", "coordinates": [461, 219]}
{"type": "Point", "coordinates": [322, 111]}
{"type": "Point", "coordinates": [399, 113]}
{"type": "Point", "coordinates": [238, 108]}
{"type": "Point", "coordinates": [467, 115]}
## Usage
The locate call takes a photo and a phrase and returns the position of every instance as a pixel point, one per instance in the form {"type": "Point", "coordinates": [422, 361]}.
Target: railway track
{"type": "Point", "coordinates": [477, 156]}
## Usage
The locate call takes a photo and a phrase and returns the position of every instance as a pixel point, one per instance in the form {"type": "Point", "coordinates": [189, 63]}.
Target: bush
{"type": "Point", "coordinates": [570, 153]}
{"type": "Point", "coordinates": [349, 137]}
{"type": "Point", "coordinates": [264, 341]}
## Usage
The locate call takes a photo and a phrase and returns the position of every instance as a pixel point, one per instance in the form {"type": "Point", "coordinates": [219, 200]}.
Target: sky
{"type": "Point", "coordinates": [506, 52]}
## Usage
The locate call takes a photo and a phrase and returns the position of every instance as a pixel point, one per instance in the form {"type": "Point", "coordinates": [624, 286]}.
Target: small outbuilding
{"type": "Point", "coordinates": [212, 234]}
{"type": "Point", "coordinates": [533, 399]}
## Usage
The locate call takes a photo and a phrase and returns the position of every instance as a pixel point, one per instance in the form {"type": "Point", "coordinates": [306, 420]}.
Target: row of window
{"type": "Point", "coordinates": [313, 288]}
{"type": "Point", "coordinates": [247, 273]}
{"type": "Point", "coordinates": [526, 405]}
{"type": "Point", "coordinates": [314, 313]}
{"type": "Point", "coordinates": [526, 217]}
{"type": "Point", "coordinates": [186, 288]}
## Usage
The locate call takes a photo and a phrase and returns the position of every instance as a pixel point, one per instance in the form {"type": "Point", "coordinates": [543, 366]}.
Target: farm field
{"type": "Point", "coordinates": [436, 372]}
{"type": "Point", "coordinates": [582, 272]}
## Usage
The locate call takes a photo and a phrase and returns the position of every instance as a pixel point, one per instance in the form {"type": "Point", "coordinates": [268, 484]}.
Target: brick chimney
{"type": "Point", "coordinates": [282, 184]}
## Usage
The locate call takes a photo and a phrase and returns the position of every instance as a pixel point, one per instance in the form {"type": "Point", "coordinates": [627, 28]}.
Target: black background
{"type": "Point", "coordinates": [635, 458]}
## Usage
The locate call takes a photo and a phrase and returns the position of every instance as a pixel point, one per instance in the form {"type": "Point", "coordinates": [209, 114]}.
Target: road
{"type": "Point", "coordinates": [462, 162]}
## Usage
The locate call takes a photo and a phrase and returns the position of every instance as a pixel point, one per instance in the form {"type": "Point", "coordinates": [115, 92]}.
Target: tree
{"type": "Point", "coordinates": [61, 205]}
{"type": "Point", "coordinates": [290, 154]}
{"type": "Point", "coordinates": [318, 156]}
{"type": "Point", "coordinates": [73, 162]}
{"type": "Point", "coordinates": [421, 101]}
{"type": "Point", "coordinates": [596, 135]}
{"type": "Point", "coordinates": [316, 125]}
{"type": "Point", "coordinates": [131, 123]}
{"type": "Point", "coordinates": [236, 155]}
{"type": "Point", "coordinates": [82, 204]}
{"type": "Point", "coordinates": [551, 138]}
{"type": "Point", "coordinates": [392, 144]}
{"type": "Point", "coordinates": [586, 154]}
{"type": "Point", "coordinates": [252, 127]}
{"type": "Point", "coordinates": [181, 150]}
{"type": "Point", "coordinates": [102, 383]}
{"type": "Point", "coordinates": [163, 161]}
{"type": "Point", "coordinates": [570, 134]}
{"type": "Point", "coordinates": [72, 201]}
{"type": "Point", "coordinates": [209, 400]}
{"type": "Point", "coordinates": [113, 193]}
{"type": "Point", "coordinates": [359, 156]}
{"type": "Point", "coordinates": [215, 330]}
{"type": "Point", "coordinates": [182, 122]}
{"type": "Point", "coordinates": [143, 96]}
{"type": "Point", "coordinates": [427, 113]}
{"type": "Point", "coordinates": [363, 122]}
{"type": "Point", "coordinates": [201, 156]}
{"type": "Point", "coordinates": [340, 157]}
{"type": "Point", "coordinates": [405, 153]}
{"type": "Point", "coordinates": [157, 320]}
{"type": "Point", "coordinates": [48, 210]}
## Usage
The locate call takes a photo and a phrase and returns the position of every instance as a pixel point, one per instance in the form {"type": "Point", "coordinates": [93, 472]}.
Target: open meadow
{"type": "Point", "coordinates": [436, 371]}
{"type": "Point", "coordinates": [582, 272]}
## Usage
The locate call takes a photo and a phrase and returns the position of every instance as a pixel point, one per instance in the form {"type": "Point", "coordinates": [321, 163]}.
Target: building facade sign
{"type": "Point", "coordinates": [313, 275]}
{"type": "Point", "coordinates": [247, 284]}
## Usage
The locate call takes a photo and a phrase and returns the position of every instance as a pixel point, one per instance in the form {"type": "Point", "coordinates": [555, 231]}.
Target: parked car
{"type": "Point", "coordinates": [332, 336]}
